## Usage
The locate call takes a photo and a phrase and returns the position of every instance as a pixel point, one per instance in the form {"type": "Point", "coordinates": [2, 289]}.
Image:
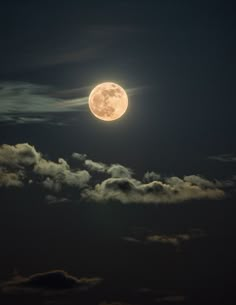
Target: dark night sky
{"type": "Point", "coordinates": [164, 237]}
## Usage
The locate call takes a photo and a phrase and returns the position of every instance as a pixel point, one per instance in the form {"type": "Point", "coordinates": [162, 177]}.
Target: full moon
{"type": "Point", "coordinates": [108, 101]}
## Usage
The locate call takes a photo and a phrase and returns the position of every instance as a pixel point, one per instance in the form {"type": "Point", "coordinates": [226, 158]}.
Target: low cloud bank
{"type": "Point", "coordinates": [22, 164]}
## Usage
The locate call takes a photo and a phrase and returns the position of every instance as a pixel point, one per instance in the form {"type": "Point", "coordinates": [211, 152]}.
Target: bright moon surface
{"type": "Point", "coordinates": [108, 101]}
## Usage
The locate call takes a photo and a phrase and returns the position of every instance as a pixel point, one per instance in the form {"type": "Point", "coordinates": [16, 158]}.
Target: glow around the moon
{"type": "Point", "coordinates": [108, 101]}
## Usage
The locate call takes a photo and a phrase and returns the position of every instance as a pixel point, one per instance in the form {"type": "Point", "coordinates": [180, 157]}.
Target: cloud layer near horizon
{"type": "Point", "coordinates": [22, 164]}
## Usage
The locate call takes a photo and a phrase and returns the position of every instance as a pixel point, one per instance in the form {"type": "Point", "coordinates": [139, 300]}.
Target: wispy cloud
{"type": "Point", "coordinates": [24, 103]}
{"type": "Point", "coordinates": [175, 240]}
{"type": "Point", "coordinates": [224, 158]}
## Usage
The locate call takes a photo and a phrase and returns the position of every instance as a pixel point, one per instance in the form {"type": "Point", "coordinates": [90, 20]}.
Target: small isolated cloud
{"type": "Point", "coordinates": [80, 157]}
{"type": "Point", "coordinates": [174, 240]}
{"type": "Point", "coordinates": [51, 199]}
{"type": "Point", "coordinates": [131, 239]}
{"type": "Point", "coordinates": [165, 239]}
{"type": "Point", "coordinates": [224, 158]}
{"type": "Point", "coordinates": [52, 280]}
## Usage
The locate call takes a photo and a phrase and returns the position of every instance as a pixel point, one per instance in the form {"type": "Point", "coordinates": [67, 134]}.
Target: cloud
{"type": "Point", "coordinates": [151, 176]}
{"type": "Point", "coordinates": [224, 158]}
{"type": "Point", "coordinates": [58, 174]}
{"type": "Point", "coordinates": [31, 103]}
{"type": "Point", "coordinates": [8, 179]}
{"type": "Point", "coordinates": [80, 157]}
{"type": "Point", "coordinates": [52, 280]}
{"type": "Point", "coordinates": [51, 199]}
{"type": "Point", "coordinates": [95, 166]}
{"type": "Point", "coordinates": [173, 190]}
{"type": "Point", "coordinates": [18, 155]}
{"type": "Point", "coordinates": [22, 163]}
{"type": "Point", "coordinates": [174, 240]}
{"type": "Point", "coordinates": [24, 103]}
{"type": "Point", "coordinates": [22, 160]}
{"type": "Point", "coordinates": [119, 171]}
{"type": "Point", "coordinates": [165, 239]}
{"type": "Point", "coordinates": [131, 239]}
{"type": "Point", "coordinates": [113, 170]}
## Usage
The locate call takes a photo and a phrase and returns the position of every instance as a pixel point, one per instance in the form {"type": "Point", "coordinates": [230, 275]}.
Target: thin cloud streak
{"type": "Point", "coordinates": [25, 102]}
{"type": "Point", "coordinates": [224, 158]}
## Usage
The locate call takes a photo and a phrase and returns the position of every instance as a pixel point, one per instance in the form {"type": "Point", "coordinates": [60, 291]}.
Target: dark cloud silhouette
{"type": "Point", "coordinates": [52, 280]}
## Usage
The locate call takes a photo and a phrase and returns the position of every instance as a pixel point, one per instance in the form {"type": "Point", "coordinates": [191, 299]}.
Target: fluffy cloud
{"type": "Point", "coordinates": [18, 155]}
{"type": "Point", "coordinates": [113, 170]}
{"type": "Point", "coordinates": [151, 176]}
{"type": "Point", "coordinates": [10, 179]}
{"type": "Point", "coordinates": [80, 157]}
{"type": "Point", "coordinates": [22, 162]}
{"type": "Point", "coordinates": [174, 189]}
{"type": "Point", "coordinates": [52, 280]}
{"type": "Point", "coordinates": [95, 166]}
{"type": "Point", "coordinates": [58, 174]}
{"type": "Point", "coordinates": [119, 171]}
